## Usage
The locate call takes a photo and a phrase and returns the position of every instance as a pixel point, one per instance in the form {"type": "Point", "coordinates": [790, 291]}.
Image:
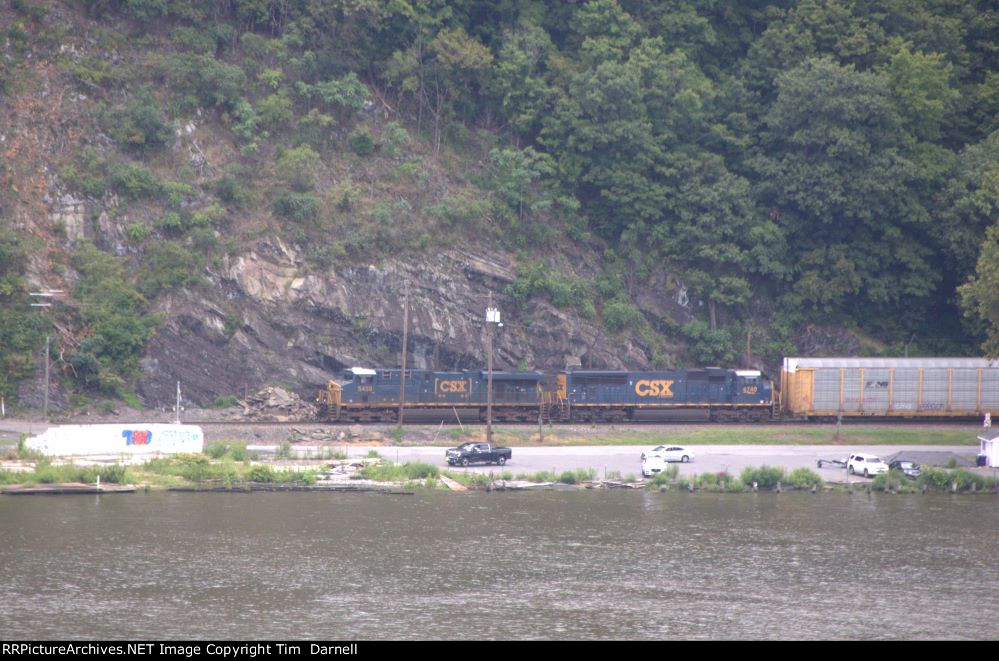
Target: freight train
{"type": "Point", "coordinates": [810, 389]}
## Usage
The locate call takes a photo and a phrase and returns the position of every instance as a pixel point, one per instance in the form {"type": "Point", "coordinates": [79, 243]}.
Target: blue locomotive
{"type": "Point", "coordinates": [615, 396]}
{"type": "Point", "coordinates": [373, 394]}
{"type": "Point", "coordinates": [581, 395]}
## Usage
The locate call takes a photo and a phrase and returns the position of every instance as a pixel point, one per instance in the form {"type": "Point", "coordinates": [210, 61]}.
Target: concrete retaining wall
{"type": "Point", "coordinates": [128, 440]}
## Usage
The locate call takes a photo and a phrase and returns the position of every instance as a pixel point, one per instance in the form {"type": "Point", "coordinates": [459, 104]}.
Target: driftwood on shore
{"type": "Point", "coordinates": [65, 488]}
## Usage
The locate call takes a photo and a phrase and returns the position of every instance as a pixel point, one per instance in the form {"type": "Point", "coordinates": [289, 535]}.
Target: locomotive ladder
{"type": "Point", "coordinates": [558, 409]}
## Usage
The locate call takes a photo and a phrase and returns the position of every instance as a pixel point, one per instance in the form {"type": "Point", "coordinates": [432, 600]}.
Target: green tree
{"type": "Point", "coordinates": [612, 133]}
{"type": "Point", "coordinates": [139, 125]}
{"type": "Point", "coordinates": [836, 178]}
{"type": "Point", "coordinates": [21, 327]}
{"type": "Point", "coordinates": [921, 87]}
{"type": "Point", "coordinates": [115, 326]}
{"type": "Point", "coordinates": [980, 295]}
{"type": "Point", "coordinates": [515, 176]}
{"type": "Point", "coordinates": [715, 231]}
{"type": "Point", "coordinates": [298, 166]}
{"type": "Point", "coordinates": [441, 73]}
{"type": "Point", "coordinates": [519, 78]}
{"type": "Point", "coordinates": [811, 29]}
{"type": "Point", "coordinates": [974, 193]}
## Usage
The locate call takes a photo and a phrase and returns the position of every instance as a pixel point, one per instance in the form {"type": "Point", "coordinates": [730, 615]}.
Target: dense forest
{"type": "Point", "coordinates": [832, 161]}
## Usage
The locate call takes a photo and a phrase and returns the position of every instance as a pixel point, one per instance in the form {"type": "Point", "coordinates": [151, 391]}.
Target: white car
{"type": "Point", "coordinates": [867, 465]}
{"type": "Point", "coordinates": [652, 465]}
{"type": "Point", "coordinates": [669, 453]}
{"type": "Point", "coordinates": [654, 451]}
{"type": "Point", "coordinates": [672, 453]}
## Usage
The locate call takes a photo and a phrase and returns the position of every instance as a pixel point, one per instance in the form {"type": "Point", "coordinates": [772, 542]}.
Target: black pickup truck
{"type": "Point", "coordinates": [470, 453]}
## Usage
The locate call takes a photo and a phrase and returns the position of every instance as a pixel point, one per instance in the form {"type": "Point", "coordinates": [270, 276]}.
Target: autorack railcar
{"type": "Point", "coordinates": [829, 388]}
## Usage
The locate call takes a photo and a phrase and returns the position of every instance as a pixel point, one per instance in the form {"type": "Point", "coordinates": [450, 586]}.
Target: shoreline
{"type": "Point", "coordinates": [263, 464]}
{"type": "Point", "coordinates": [197, 473]}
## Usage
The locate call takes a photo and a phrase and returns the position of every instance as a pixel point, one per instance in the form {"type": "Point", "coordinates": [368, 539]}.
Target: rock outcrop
{"type": "Point", "coordinates": [266, 321]}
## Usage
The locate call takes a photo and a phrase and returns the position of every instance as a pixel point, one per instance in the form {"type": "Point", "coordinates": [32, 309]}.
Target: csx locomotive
{"type": "Point", "coordinates": [580, 395]}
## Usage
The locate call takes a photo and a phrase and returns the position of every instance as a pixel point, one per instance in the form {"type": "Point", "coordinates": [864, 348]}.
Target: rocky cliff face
{"type": "Point", "coordinates": [263, 321]}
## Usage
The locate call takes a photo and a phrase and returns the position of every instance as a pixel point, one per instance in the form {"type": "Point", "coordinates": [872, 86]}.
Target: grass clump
{"type": "Point", "coordinates": [540, 476]}
{"type": "Point", "coordinates": [664, 478]}
{"type": "Point", "coordinates": [389, 472]}
{"type": "Point", "coordinates": [235, 451]}
{"type": "Point", "coordinates": [895, 481]}
{"type": "Point", "coordinates": [196, 468]}
{"type": "Point", "coordinates": [765, 476]}
{"type": "Point", "coordinates": [804, 478]}
{"type": "Point", "coordinates": [472, 480]}
{"type": "Point", "coordinates": [262, 473]}
{"type": "Point", "coordinates": [47, 473]}
{"type": "Point", "coordinates": [329, 452]}
{"type": "Point", "coordinates": [960, 479]}
{"type": "Point", "coordinates": [577, 476]}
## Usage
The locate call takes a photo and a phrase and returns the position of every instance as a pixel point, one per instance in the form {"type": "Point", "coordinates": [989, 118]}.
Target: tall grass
{"type": "Point", "coordinates": [46, 473]}
{"type": "Point", "coordinates": [237, 451]}
{"type": "Point", "coordinates": [764, 476]}
{"type": "Point", "coordinates": [804, 478]}
{"type": "Point", "coordinates": [577, 476]}
{"type": "Point", "coordinates": [389, 472]}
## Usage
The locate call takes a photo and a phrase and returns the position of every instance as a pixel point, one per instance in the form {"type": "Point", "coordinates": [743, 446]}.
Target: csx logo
{"type": "Point", "coordinates": [453, 386]}
{"type": "Point", "coordinates": [647, 388]}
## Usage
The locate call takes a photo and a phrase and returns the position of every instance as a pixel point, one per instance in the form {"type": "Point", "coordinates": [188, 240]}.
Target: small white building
{"type": "Point", "coordinates": [988, 446]}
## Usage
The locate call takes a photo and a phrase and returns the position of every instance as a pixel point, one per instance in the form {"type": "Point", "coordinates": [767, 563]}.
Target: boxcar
{"type": "Point", "coordinates": [711, 394]}
{"type": "Point", "coordinates": [893, 387]}
{"type": "Point", "coordinates": [363, 394]}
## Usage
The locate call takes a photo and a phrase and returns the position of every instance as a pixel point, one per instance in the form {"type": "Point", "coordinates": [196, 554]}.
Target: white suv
{"type": "Point", "coordinates": [867, 465]}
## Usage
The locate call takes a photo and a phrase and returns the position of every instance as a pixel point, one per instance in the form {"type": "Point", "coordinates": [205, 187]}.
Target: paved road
{"type": "Point", "coordinates": [626, 459]}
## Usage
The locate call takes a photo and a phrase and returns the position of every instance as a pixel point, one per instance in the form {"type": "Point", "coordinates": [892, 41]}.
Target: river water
{"type": "Point", "coordinates": [590, 565]}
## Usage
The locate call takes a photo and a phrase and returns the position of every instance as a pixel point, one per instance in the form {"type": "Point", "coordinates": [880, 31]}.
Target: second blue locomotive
{"type": "Point", "coordinates": [710, 394]}
{"type": "Point", "coordinates": [579, 395]}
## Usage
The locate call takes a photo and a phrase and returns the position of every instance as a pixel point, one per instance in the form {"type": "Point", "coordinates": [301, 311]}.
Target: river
{"type": "Point", "coordinates": [540, 565]}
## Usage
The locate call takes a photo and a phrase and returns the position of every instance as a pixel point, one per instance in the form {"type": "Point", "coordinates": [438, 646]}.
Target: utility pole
{"type": "Point", "coordinates": [489, 378]}
{"type": "Point", "coordinates": [46, 294]}
{"type": "Point", "coordinates": [405, 345]}
{"type": "Point", "coordinates": [45, 410]}
{"type": "Point", "coordinates": [492, 317]}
